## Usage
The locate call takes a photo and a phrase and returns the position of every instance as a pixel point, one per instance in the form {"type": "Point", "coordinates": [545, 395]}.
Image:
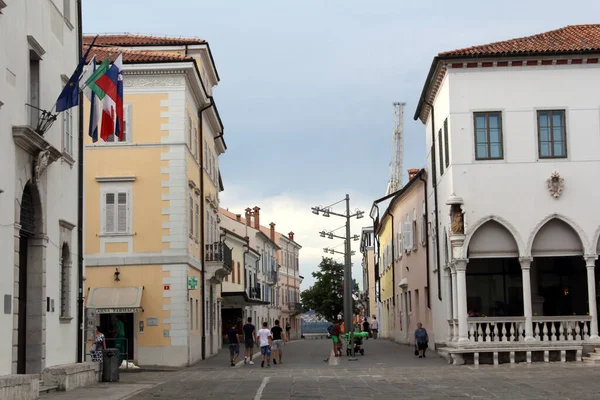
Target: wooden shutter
{"type": "Point", "coordinates": [408, 235]}
{"type": "Point", "coordinates": [122, 216]}
{"type": "Point", "coordinates": [197, 220]}
{"type": "Point", "coordinates": [109, 215]}
{"type": "Point", "coordinates": [191, 216]}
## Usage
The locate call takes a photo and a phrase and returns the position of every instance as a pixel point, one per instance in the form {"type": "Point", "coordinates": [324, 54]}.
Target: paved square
{"type": "Point", "coordinates": [386, 371]}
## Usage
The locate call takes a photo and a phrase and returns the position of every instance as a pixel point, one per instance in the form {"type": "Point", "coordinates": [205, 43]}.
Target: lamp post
{"type": "Point", "coordinates": [326, 211]}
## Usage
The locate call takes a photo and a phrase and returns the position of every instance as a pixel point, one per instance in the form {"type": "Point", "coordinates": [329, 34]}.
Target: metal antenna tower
{"type": "Point", "coordinates": [395, 182]}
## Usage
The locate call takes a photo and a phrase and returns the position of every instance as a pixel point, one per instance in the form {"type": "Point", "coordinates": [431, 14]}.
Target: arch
{"type": "Point", "coordinates": [596, 242]}
{"type": "Point", "coordinates": [510, 229]}
{"type": "Point", "coordinates": [571, 224]}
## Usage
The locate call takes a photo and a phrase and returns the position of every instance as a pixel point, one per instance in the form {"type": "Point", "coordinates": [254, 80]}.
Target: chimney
{"type": "Point", "coordinates": [272, 225]}
{"type": "Point", "coordinates": [238, 217]}
{"type": "Point", "coordinates": [248, 214]}
{"type": "Point", "coordinates": [412, 173]}
{"type": "Point", "coordinates": [256, 218]}
{"type": "Point", "coordinates": [291, 236]}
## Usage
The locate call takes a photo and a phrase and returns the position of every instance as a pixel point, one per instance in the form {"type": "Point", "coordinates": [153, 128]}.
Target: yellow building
{"type": "Point", "coordinates": [153, 252]}
{"type": "Point", "coordinates": [386, 275]}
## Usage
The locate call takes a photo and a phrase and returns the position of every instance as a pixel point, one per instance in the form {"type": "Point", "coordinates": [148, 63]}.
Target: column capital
{"type": "Point", "coordinates": [525, 262]}
{"type": "Point", "coordinates": [590, 260]}
{"type": "Point", "coordinates": [460, 264]}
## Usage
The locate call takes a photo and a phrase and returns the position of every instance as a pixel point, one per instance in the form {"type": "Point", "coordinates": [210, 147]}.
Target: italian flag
{"type": "Point", "coordinates": [91, 83]}
{"type": "Point", "coordinates": [108, 86]}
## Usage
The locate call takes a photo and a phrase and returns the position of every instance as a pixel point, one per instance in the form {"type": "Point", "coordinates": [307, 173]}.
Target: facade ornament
{"type": "Point", "coordinates": [41, 163]}
{"type": "Point", "coordinates": [458, 223]}
{"type": "Point", "coordinates": [556, 184]}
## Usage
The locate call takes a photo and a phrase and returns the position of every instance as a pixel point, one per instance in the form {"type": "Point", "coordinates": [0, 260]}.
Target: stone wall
{"type": "Point", "coordinates": [72, 376]}
{"type": "Point", "coordinates": [23, 387]}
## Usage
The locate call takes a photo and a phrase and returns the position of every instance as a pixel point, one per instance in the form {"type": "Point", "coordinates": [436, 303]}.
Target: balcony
{"type": "Point", "coordinates": [295, 308]}
{"type": "Point", "coordinates": [218, 261]}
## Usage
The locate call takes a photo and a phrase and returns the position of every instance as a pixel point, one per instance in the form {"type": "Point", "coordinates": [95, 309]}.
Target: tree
{"type": "Point", "coordinates": [325, 296]}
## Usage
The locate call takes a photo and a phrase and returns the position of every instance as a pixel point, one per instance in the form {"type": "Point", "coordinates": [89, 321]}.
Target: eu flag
{"type": "Point", "coordinates": [69, 97]}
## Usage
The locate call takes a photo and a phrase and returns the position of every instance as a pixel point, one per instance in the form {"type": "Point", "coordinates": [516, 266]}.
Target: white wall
{"type": "Point", "coordinates": [45, 22]}
{"type": "Point", "coordinates": [515, 188]}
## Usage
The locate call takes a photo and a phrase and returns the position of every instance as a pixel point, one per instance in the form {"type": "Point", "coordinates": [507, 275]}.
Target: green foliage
{"type": "Point", "coordinates": [325, 296]}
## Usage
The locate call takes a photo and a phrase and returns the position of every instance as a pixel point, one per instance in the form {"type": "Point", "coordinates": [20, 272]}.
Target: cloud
{"type": "Point", "coordinates": [292, 212]}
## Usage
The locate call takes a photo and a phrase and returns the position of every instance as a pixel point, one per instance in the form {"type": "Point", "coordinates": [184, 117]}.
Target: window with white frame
{"type": "Point", "coordinates": [191, 216]}
{"type": "Point", "coordinates": [127, 123]}
{"type": "Point", "coordinates": [116, 211]}
{"type": "Point", "coordinates": [408, 236]}
{"type": "Point", "coordinates": [68, 131]}
{"type": "Point", "coordinates": [414, 230]}
{"type": "Point", "coordinates": [399, 246]}
{"type": "Point", "coordinates": [197, 221]}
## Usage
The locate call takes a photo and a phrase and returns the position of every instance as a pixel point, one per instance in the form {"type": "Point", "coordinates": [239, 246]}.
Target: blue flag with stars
{"type": "Point", "coordinates": [69, 97]}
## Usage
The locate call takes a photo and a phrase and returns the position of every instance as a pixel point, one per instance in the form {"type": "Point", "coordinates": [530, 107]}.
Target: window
{"type": "Point", "coordinates": [399, 241]}
{"type": "Point", "coordinates": [197, 220]}
{"type": "Point", "coordinates": [127, 120]}
{"type": "Point", "coordinates": [196, 314]}
{"type": "Point", "coordinates": [441, 152]}
{"type": "Point", "coordinates": [552, 134]}
{"type": "Point", "coordinates": [34, 90]}
{"type": "Point", "coordinates": [408, 236]}
{"type": "Point", "coordinates": [205, 155]}
{"type": "Point", "coordinates": [189, 133]}
{"type": "Point", "coordinates": [414, 230]}
{"type": "Point", "coordinates": [409, 301]}
{"type": "Point", "coordinates": [446, 147]}
{"type": "Point", "coordinates": [117, 212]}
{"type": "Point", "coordinates": [68, 131]}
{"type": "Point", "coordinates": [423, 226]}
{"type": "Point", "coordinates": [191, 217]}
{"type": "Point", "coordinates": [65, 272]}
{"type": "Point", "coordinates": [488, 136]}
{"type": "Point", "coordinates": [195, 150]}
{"type": "Point", "coordinates": [191, 313]}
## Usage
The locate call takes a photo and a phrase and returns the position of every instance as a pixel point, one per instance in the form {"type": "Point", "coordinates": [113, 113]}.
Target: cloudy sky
{"type": "Point", "coordinates": [307, 88]}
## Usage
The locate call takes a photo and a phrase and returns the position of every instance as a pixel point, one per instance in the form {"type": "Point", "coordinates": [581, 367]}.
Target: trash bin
{"type": "Point", "coordinates": [110, 365]}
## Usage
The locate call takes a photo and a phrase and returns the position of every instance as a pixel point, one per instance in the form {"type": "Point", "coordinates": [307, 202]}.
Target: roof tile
{"type": "Point", "coordinates": [128, 39]}
{"type": "Point", "coordinates": [572, 38]}
{"type": "Point", "coordinates": [134, 56]}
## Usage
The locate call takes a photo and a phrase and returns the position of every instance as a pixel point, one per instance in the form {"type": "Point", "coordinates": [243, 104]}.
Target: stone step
{"type": "Point", "coordinates": [47, 388]}
{"type": "Point", "coordinates": [589, 360]}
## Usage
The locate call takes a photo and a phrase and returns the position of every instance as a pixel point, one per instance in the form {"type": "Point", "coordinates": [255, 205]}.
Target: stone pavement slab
{"type": "Point", "coordinates": [105, 391]}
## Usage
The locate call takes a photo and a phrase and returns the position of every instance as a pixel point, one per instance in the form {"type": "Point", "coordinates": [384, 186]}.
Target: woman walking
{"type": "Point", "coordinates": [421, 339]}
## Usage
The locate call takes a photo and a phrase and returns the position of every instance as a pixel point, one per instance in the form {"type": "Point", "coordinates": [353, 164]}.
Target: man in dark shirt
{"type": "Point", "coordinates": [249, 340]}
{"type": "Point", "coordinates": [234, 344]}
{"type": "Point", "coordinates": [278, 337]}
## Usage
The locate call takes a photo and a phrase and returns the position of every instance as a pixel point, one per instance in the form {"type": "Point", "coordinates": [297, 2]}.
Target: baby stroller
{"type": "Point", "coordinates": [358, 342]}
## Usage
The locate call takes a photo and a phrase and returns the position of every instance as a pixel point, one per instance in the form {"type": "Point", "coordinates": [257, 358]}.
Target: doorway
{"type": "Point", "coordinates": [31, 303]}
{"type": "Point", "coordinates": [108, 328]}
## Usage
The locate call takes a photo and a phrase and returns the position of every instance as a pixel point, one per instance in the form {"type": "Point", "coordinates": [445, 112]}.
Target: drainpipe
{"type": "Point", "coordinates": [435, 198]}
{"type": "Point", "coordinates": [426, 241]}
{"type": "Point", "coordinates": [202, 238]}
{"type": "Point", "coordinates": [393, 268]}
{"type": "Point", "coordinates": [80, 203]}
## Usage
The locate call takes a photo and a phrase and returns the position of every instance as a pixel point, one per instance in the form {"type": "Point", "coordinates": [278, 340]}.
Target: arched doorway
{"type": "Point", "coordinates": [494, 278]}
{"type": "Point", "coordinates": [558, 273]}
{"type": "Point", "coordinates": [30, 280]}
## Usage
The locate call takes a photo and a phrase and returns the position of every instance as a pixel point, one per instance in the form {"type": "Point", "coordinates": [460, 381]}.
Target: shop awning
{"type": "Point", "coordinates": [239, 299]}
{"type": "Point", "coordinates": [115, 300]}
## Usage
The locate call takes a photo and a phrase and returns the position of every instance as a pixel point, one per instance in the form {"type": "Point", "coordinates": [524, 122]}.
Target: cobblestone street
{"type": "Point", "coordinates": [386, 371]}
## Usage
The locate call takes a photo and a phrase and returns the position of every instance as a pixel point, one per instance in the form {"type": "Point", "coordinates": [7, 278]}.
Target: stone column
{"type": "Point", "coordinates": [448, 300]}
{"type": "Point", "coordinates": [454, 300]}
{"type": "Point", "coordinates": [527, 310]}
{"type": "Point", "coordinates": [461, 293]}
{"type": "Point", "coordinates": [590, 263]}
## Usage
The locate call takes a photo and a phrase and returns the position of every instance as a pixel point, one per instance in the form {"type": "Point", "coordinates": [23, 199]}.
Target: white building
{"type": "Point", "coordinates": [513, 133]}
{"type": "Point", "coordinates": [38, 187]}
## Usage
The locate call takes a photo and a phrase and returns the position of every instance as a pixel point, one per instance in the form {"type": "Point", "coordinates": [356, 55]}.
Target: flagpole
{"type": "Point", "coordinates": [80, 346]}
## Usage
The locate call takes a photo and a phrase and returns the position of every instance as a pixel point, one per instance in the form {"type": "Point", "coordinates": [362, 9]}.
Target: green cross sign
{"type": "Point", "coordinates": [192, 283]}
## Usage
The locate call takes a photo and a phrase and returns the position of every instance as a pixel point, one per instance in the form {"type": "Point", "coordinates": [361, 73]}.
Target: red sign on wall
{"type": "Point", "coordinates": [167, 287]}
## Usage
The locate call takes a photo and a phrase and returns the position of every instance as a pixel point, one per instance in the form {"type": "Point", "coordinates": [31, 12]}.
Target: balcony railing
{"type": "Point", "coordinates": [218, 251]}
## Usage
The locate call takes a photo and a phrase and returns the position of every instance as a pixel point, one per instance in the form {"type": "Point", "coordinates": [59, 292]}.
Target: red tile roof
{"type": "Point", "coordinates": [572, 38]}
{"type": "Point", "coordinates": [128, 39]}
{"type": "Point", "coordinates": [134, 56]}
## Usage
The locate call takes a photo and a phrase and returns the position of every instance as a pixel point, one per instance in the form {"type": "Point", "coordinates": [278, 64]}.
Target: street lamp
{"type": "Point", "coordinates": [348, 260]}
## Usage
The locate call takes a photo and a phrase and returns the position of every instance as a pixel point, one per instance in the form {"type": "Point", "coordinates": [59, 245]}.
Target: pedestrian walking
{"type": "Point", "coordinates": [374, 327]}
{"type": "Point", "coordinates": [249, 340]}
{"type": "Point", "coordinates": [421, 339]}
{"type": "Point", "coordinates": [234, 343]}
{"type": "Point", "coordinates": [288, 328]}
{"type": "Point", "coordinates": [266, 339]}
{"type": "Point", "coordinates": [365, 327]}
{"type": "Point", "coordinates": [278, 342]}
